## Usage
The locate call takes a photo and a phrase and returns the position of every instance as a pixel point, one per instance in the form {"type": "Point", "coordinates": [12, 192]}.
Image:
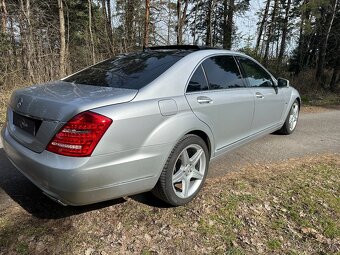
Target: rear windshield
{"type": "Point", "coordinates": [129, 71]}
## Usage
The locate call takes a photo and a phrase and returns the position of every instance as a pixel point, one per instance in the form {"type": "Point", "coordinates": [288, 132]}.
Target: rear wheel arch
{"type": "Point", "coordinates": [204, 137]}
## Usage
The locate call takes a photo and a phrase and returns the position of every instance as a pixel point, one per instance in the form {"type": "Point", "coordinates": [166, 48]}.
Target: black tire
{"type": "Point", "coordinates": [286, 128]}
{"type": "Point", "coordinates": [165, 189]}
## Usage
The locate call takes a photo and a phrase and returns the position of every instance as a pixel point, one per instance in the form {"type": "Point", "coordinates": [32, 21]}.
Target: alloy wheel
{"type": "Point", "coordinates": [189, 171]}
{"type": "Point", "coordinates": [293, 117]}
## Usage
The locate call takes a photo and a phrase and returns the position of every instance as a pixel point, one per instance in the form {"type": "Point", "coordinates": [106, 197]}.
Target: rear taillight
{"type": "Point", "coordinates": [80, 135]}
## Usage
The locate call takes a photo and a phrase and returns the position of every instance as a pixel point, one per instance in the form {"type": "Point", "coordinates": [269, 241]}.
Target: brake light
{"type": "Point", "coordinates": [80, 136]}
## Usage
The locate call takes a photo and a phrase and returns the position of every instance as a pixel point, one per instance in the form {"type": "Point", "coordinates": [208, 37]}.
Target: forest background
{"type": "Point", "coordinates": [43, 40]}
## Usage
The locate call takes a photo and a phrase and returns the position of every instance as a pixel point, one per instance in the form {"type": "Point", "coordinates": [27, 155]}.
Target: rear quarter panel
{"type": "Point", "coordinates": [140, 123]}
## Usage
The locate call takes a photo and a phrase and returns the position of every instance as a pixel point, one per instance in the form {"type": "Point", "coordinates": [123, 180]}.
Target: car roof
{"type": "Point", "coordinates": [203, 50]}
{"type": "Point", "coordinates": [179, 47]}
{"type": "Point", "coordinates": [196, 53]}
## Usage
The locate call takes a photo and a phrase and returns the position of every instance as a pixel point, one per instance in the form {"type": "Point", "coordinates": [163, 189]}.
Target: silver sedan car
{"type": "Point", "coordinates": [144, 121]}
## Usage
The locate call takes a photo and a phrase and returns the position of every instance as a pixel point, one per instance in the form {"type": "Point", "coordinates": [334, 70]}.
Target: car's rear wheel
{"type": "Point", "coordinates": [292, 119]}
{"type": "Point", "coordinates": [184, 172]}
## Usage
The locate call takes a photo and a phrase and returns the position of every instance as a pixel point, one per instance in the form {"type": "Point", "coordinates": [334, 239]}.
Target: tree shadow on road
{"type": "Point", "coordinates": [31, 199]}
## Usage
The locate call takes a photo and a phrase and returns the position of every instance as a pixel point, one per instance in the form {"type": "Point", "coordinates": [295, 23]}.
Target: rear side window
{"type": "Point", "coordinates": [198, 82]}
{"type": "Point", "coordinates": [130, 71]}
{"type": "Point", "coordinates": [255, 74]}
{"type": "Point", "coordinates": [222, 73]}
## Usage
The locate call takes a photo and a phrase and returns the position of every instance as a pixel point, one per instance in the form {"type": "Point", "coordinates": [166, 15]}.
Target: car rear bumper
{"type": "Point", "coordinates": [80, 181]}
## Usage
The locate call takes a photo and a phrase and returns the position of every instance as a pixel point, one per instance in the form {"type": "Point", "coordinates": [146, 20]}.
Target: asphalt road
{"type": "Point", "coordinates": [316, 133]}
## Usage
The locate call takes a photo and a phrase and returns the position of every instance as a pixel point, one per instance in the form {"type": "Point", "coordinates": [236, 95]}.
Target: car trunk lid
{"type": "Point", "coordinates": [35, 114]}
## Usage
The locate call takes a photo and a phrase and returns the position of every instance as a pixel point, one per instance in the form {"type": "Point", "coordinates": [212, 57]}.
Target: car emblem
{"type": "Point", "coordinates": [23, 124]}
{"type": "Point", "coordinates": [20, 101]}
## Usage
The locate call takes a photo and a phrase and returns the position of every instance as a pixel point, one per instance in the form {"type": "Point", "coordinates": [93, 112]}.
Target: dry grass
{"type": "Point", "coordinates": [287, 208]}
{"type": "Point", "coordinates": [5, 94]}
{"type": "Point", "coordinates": [311, 92]}
{"type": "Point", "coordinates": [4, 98]}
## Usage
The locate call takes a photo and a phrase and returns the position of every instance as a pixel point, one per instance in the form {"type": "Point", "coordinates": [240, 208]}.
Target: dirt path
{"type": "Point", "coordinates": [317, 133]}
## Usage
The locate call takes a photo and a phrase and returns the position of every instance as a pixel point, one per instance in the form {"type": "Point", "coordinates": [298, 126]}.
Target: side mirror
{"type": "Point", "coordinates": [281, 82]}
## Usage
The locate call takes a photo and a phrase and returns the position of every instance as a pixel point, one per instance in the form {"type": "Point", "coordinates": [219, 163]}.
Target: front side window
{"type": "Point", "coordinates": [128, 71]}
{"type": "Point", "coordinates": [198, 82]}
{"type": "Point", "coordinates": [255, 74]}
{"type": "Point", "coordinates": [222, 73]}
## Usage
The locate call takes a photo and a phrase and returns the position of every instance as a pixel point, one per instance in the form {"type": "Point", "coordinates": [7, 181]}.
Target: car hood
{"type": "Point", "coordinates": [60, 101]}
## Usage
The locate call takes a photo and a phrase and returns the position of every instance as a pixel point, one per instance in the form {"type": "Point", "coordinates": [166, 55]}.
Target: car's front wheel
{"type": "Point", "coordinates": [184, 172]}
{"type": "Point", "coordinates": [292, 119]}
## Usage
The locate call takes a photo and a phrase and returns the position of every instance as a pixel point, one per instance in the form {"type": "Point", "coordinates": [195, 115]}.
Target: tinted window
{"type": "Point", "coordinates": [222, 72]}
{"type": "Point", "coordinates": [198, 81]}
{"type": "Point", "coordinates": [130, 71]}
{"type": "Point", "coordinates": [255, 74]}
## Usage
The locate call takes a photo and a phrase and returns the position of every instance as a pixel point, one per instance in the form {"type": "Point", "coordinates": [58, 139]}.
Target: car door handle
{"type": "Point", "coordinates": [259, 95]}
{"type": "Point", "coordinates": [204, 100]}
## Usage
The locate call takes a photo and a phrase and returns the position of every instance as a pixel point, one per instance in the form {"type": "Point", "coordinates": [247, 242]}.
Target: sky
{"type": "Point", "coordinates": [247, 27]}
{"type": "Point", "coordinates": [247, 24]}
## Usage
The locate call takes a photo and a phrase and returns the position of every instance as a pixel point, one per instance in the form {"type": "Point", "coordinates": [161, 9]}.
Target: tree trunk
{"type": "Point", "coordinates": [228, 23]}
{"type": "Point", "coordinates": [30, 44]}
{"type": "Point", "coordinates": [181, 17]}
{"type": "Point", "coordinates": [305, 16]}
{"type": "Point", "coordinates": [323, 43]}
{"type": "Point", "coordinates": [90, 32]}
{"type": "Point", "coordinates": [68, 66]}
{"type": "Point", "coordinates": [129, 28]}
{"type": "Point", "coordinates": [109, 25]}
{"type": "Point", "coordinates": [62, 51]}
{"type": "Point", "coordinates": [270, 33]}
{"type": "Point", "coordinates": [262, 25]}
{"type": "Point", "coordinates": [334, 81]}
{"type": "Point", "coordinates": [4, 14]}
{"type": "Point", "coordinates": [214, 33]}
{"type": "Point", "coordinates": [106, 29]}
{"type": "Point", "coordinates": [225, 21]}
{"type": "Point", "coordinates": [208, 40]}
{"type": "Point", "coordinates": [198, 3]}
{"type": "Point", "coordinates": [26, 34]}
{"type": "Point", "coordinates": [146, 25]}
{"type": "Point", "coordinates": [179, 35]}
{"type": "Point", "coordinates": [284, 35]}
{"type": "Point", "coordinates": [13, 43]}
{"type": "Point", "coordinates": [169, 22]}
{"type": "Point", "coordinates": [334, 84]}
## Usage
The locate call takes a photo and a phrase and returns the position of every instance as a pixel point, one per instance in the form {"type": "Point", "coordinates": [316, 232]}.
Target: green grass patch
{"type": "Point", "coordinates": [274, 244]}
{"type": "Point", "coordinates": [22, 248]}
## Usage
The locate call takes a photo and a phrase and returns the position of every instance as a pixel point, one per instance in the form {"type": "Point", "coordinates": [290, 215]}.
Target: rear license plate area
{"type": "Point", "coordinates": [26, 124]}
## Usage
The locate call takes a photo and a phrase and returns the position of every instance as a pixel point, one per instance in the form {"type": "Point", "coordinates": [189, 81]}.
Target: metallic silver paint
{"type": "Point", "coordinates": [146, 126]}
{"type": "Point", "coordinates": [59, 101]}
{"type": "Point", "coordinates": [167, 107]}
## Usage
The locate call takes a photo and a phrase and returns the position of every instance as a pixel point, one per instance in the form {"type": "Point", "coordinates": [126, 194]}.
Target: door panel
{"type": "Point", "coordinates": [268, 108]}
{"type": "Point", "coordinates": [227, 105]}
{"type": "Point", "coordinates": [269, 101]}
{"type": "Point", "coordinates": [229, 115]}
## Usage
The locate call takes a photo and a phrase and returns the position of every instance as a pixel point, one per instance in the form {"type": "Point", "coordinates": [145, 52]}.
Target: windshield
{"type": "Point", "coordinates": [128, 71]}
